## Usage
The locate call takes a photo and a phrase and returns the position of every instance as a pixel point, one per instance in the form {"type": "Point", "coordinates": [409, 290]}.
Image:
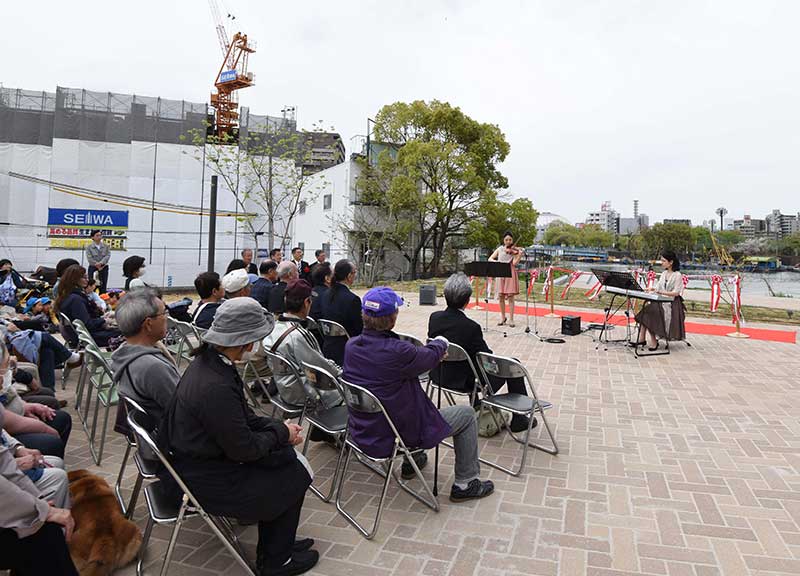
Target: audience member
{"type": "Point", "coordinates": [342, 306]}
{"type": "Point", "coordinates": [111, 298]}
{"type": "Point", "coordinates": [320, 257]}
{"type": "Point", "coordinates": [239, 465]}
{"type": "Point", "coordinates": [74, 304]}
{"type": "Point", "coordinates": [389, 367]}
{"type": "Point", "coordinates": [259, 290]}
{"type": "Point", "coordinates": [133, 269]}
{"type": "Point", "coordinates": [209, 288]}
{"type": "Point", "coordinates": [98, 255]}
{"type": "Point", "coordinates": [321, 276]}
{"type": "Point", "coordinates": [10, 282]}
{"type": "Point", "coordinates": [286, 273]}
{"type": "Point", "coordinates": [236, 283]}
{"type": "Point", "coordinates": [33, 534]}
{"type": "Point", "coordinates": [94, 297]}
{"type": "Point", "coordinates": [292, 340]}
{"type": "Point", "coordinates": [247, 258]}
{"type": "Point", "coordinates": [454, 325]}
{"type": "Point", "coordinates": [46, 472]}
{"type": "Point", "coordinates": [303, 269]}
{"type": "Point", "coordinates": [61, 267]}
{"type": "Point", "coordinates": [42, 350]}
{"type": "Point", "coordinates": [35, 425]}
{"type": "Point", "coordinates": [141, 369]}
{"type": "Point", "coordinates": [276, 254]}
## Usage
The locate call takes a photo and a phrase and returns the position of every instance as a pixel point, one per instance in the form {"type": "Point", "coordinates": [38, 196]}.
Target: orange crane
{"type": "Point", "coordinates": [231, 76]}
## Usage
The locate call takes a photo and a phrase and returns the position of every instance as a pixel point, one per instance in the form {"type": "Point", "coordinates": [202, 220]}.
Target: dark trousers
{"type": "Point", "coordinates": [275, 538]}
{"type": "Point", "coordinates": [102, 279]}
{"type": "Point", "coordinates": [44, 552]}
{"type": "Point", "coordinates": [47, 444]}
{"type": "Point", "coordinates": [51, 353]}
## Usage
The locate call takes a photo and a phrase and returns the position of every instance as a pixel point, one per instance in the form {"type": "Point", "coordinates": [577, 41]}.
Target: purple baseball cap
{"type": "Point", "coordinates": [381, 301]}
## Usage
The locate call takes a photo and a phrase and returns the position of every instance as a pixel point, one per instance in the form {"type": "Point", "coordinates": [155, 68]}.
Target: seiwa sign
{"type": "Point", "coordinates": [79, 218]}
{"type": "Point", "coordinates": [227, 76]}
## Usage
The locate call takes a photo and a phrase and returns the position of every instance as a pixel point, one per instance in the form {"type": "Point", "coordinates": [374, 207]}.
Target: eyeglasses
{"type": "Point", "coordinates": [164, 313]}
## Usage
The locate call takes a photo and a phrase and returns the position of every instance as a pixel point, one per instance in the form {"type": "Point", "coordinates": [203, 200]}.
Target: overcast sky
{"type": "Point", "coordinates": [684, 104]}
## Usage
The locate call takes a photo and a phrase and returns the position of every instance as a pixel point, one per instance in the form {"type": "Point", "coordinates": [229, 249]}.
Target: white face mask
{"type": "Point", "coordinates": [141, 272]}
{"type": "Point", "coordinates": [248, 355]}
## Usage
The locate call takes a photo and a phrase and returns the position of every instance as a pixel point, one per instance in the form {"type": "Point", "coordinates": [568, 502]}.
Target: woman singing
{"type": "Point", "coordinates": [507, 288]}
{"type": "Point", "coordinates": [664, 319]}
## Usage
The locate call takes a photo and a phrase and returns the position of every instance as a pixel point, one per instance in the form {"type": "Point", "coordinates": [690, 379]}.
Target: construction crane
{"type": "Point", "coordinates": [722, 254]}
{"type": "Point", "coordinates": [231, 76]}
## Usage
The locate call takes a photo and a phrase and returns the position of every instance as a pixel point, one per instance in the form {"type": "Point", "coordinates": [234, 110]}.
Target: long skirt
{"type": "Point", "coordinates": [664, 319]}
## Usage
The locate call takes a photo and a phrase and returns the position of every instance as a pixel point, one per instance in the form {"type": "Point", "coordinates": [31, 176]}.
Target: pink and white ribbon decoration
{"type": "Point", "coordinates": [546, 289]}
{"type": "Point", "coordinates": [572, 278]}
{"type": "Point", "coordinates": [651, 279]}
{"type": "Point", "coordinates": [736, 282]}
{"type": "Point", "coordinates": [534, 276]}
{"type": "Point", "coordinates": [716, 291]}
{"type": "Point", "coordinates": [594, 291]}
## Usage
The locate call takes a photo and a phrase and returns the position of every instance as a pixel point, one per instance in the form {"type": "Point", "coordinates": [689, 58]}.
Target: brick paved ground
{"type": "Point", "coordinates": [681, 465]}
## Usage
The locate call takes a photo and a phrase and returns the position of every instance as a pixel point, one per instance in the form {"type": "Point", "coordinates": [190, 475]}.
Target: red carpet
{"type": "Point", "coordinates": [691, 326]}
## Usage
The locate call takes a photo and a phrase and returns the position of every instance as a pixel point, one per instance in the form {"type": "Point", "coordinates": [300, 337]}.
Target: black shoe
{"type": "Point", "coordinates": [256, 390]}
{"type": "Point", "coordinates": [519, 423]}
{"type": "Point", "coordinates": [476, 489]}
{"type": "Point", "coordinates": [653, 349]}
{"type": "Point", "coordinates": [300, 563]}
{"type": "Point", "coordinates": [407, 472]}
{"type": "Point", "coordinates": [302, 545]}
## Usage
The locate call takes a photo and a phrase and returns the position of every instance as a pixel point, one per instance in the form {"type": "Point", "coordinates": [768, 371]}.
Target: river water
{"type": "Point", "coordinates": [782, 283]}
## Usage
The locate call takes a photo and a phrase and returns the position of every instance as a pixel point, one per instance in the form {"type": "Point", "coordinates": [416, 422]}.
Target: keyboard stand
{"type": "Point", "coordinates": [610, 312]}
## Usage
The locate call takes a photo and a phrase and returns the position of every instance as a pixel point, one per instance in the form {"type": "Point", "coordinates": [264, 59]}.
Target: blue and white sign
{"type": "Point", "coordinates": [228, 76]}
{"type": "Point", "coordinates": [78, 218]}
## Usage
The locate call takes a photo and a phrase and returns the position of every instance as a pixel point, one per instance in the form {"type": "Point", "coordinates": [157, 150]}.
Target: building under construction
{"type": "Point", "coordinates": [135, 166]}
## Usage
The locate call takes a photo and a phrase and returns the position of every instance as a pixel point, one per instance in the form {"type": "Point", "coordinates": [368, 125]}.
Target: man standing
{"type": "Point", "coordinates": [303, 269]}
{"type": "Point", "coordinates": [98, 255]}
{"type": "Point", "coordinates": [276, 254]}
{"type": "Point", "coordinates": [247, 256]}
{"type": "Point", "coordinates": [321, 258]}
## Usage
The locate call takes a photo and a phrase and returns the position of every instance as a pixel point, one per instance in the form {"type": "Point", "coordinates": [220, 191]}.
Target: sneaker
{"type": "Point", "coordinates": [476, 489]}
{"type": "Point", "coordinates": [299, 563]}
{"type": "Point", "coordinates": [519, 423]}
{"type": "Point", "coordinates": [302, 545]}
{"type": "Point", "coordinates": [75, 360]}
{"type": "Point", "coordinates": [407, 472]}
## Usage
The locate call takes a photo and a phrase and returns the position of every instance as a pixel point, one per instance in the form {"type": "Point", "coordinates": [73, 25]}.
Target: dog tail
{"type": "Point", "coordinates": [105, 556]}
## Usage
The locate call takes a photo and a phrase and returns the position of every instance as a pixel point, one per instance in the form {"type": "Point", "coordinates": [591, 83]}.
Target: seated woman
{"type": "Point", "coordinates": [42, 350]}
{"type": "Point", "coordinates": [238, 464]}
{"type": "Point", "coordinates": [33, 534]}
{"type": "Point", "coordinates": [72, 301]}
{"type": "Point", "coordinates": [35, 425]}
{"type": "Point", "coordinates": [664, 319]}
{"type": "Point", "coordinates": [10, 282]}
{"type": "Point", "coordinates": [454, 325]}
{"type": "Point", "coordinates": [340, 305]}
{"type": "Point", "coordinates": [133, 269]}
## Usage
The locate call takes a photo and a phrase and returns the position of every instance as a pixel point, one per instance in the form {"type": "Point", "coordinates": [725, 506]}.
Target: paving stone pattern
{"type": "Point", "coordinates": [687, 464]}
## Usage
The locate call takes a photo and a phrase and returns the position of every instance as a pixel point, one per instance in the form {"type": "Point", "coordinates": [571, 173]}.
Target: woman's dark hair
{"type": "Point", "coordinates": [5, 261]}
{"type": "Point", "coordinates": [508, 233]}
{"type": "Point", "coordinates": [92, 282]}
{"type": "Point", "coordinates": [341, 271]}
{"type": "Point", "coordinates": [670, 255]}
{"type": "Point", "coordinates": [131, 265]}
{"type": "Point", "coordinates": [320, 272]}
{"type": "Point", "coordinates": [206, 283]}
{"type": "Point", "coordinates": [70, 280]}
{"type": "Point", "coordinates": [63, 265]}
{"type": "Point", "coordinates": [236, 264]}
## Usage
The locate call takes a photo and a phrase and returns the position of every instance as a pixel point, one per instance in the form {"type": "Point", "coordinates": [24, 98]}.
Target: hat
{"type": "Point", "coordinates": [235, 280]}
{"type": "Point", "coordinates": [239, 321]}
{"type": "Point", "coordinates": [381, 301]}
{"type": "Point", "coordinates": [31, 303]}
{"type": "Point", "coordinates": [298, 289]}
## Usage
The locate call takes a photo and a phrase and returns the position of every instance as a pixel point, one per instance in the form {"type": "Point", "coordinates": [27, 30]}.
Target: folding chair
{"type": "Point", "coordinates": [425, 377]}
{"type": "Point", "coordinates": [163, 509]}
{"type": "Point", "coordinates": [332, 420]}
{"type": "Point", "coordinates": [456, 353]}
{"type": "Point", "coordinates": [282, 367]}
{"type": "Point", "coordinates": [147, 468]}
{"type": "Point", "coordinates": [360, 399]}
{"type": "Point", "coordinates": [70, 336]}
{"type": "Point", "coordinates": [331, 329]}
{"type": "Point", "coordinates": [101, 379]}
{"type": "Point", "coordinates": [183, 333]}
{"type": "Point", "coordinates": [506, 368]}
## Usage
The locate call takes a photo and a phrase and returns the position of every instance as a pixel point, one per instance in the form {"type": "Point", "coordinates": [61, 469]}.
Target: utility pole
{"type": "Point", "coordinates": [212, 223]}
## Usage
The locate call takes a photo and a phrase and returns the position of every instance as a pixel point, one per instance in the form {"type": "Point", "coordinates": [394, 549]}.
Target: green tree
{"type": "Point", "coordinates": [660, 237]}
{"type": "Point", "coordinates": [729, 237]}
{"type": "Point", "coordinates": [496, 217]}
{"type": "Point", "coordinates": [562, 234]}
{"type": "Point", "coordinates": [594, 236]}
{"type": "Point", "coordinates": [442, 166]}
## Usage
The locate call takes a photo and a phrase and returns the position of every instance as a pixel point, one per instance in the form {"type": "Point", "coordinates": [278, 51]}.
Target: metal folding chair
{"type": "Point", "coordinates": [456, 353]}
{"type": "Point", "coordinates": [506, 368]}
{"type": "Point", "coordinates": [70, 336]}
{"type": "Point", "coordinates": [163, 509]}
{"type": "Point", "coordinates": [101, 379]}
{"type": "Point", "coordinates": [360, 399]}
{"type": "Point", "coordinates": [280, 366]}
{"type": "Point", "coordinates": [332, 420]}
{"type": "Point", "coordinates": [147, 468]}
{"type": "Point", "coordinates": [187, 338]}
{"type": "Point", "coordinates": [425, 377]}
{"type": "Point", "coordinates": [331, 329]}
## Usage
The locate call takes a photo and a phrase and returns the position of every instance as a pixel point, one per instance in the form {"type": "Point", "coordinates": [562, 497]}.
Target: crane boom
{"type": "Point", "coordinates": [222, 33]}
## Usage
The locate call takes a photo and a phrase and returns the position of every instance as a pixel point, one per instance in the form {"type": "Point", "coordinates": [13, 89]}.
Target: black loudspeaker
{"type": "Point", "coordinates": [570, 325]}
{"type": "Point", "coordinates": [427, 295]}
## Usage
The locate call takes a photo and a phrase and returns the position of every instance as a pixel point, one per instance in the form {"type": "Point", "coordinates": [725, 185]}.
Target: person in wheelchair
{"type": "Point", "coordinates": [389, 367]}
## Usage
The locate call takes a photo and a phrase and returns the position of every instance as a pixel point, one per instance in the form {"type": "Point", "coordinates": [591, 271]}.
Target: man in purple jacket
{"type": "Point", "coordinates": [389, 368]}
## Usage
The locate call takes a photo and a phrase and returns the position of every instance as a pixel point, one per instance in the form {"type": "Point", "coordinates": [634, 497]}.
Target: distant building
{"type": "Point", "coordinates": [780, 225]}
{"type": "Point", "coordinates": [677, 221]}
{"type": "Point", "coordinates": [544, 221]}
{"type": "Point", "coordinates": [607, 218]}
{"type": "Point", "coordinates": [750, 227]}
{"type": "Point", "coordinates": [627, 226]}
{"type": "Point", "coordinates": [327, 149]}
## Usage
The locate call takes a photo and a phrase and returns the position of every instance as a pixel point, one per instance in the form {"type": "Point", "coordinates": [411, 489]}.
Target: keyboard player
{"type": "Point", "coordinates": [664, 319]}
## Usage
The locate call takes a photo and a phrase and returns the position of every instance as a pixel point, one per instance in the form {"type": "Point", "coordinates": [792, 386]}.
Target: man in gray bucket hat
{"type": "Point", "coordinates": [238, 464]}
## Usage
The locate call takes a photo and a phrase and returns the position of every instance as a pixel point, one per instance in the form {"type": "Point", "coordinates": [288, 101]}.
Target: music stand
{"type": "Point", "coordinates": [624, 281]}
{"type": "Point", "coordinates": [488, 269]}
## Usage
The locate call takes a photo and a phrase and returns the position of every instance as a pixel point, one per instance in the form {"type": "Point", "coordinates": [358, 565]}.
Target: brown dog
{"type": "Point", "coordinates": [103, 540]}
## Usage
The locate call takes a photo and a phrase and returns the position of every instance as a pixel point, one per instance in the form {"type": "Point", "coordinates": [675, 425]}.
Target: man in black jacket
{"type": "Point", "coordinates": [260, 289]}
{"type": "Point", "coordinates": [454, 325]}
{"type": "Point", "coordinates": [303, 269]}
{"type": "Point", "coordinates": [286, 273]}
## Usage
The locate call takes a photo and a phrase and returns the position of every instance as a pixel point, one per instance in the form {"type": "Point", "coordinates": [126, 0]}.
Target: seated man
{"type": "Point", "coordinates": [236, 283]}
{"type": "Point", "coordinates": [209, 288]}
{"type": "Point", "coordinates": [46, 472]}
{"type": "Point", "coordinates": [286, 273]}
{"type": "Point", "coordinates": [454, 325]}
{"type": "Point", "coordinates": [259, 290]}
{"type": "Point", "coordinates": [389, 368]}
{"type": "Point", "coordinates": [144, 374]}
{"type": "Point", "coordinates": [292, 340]}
